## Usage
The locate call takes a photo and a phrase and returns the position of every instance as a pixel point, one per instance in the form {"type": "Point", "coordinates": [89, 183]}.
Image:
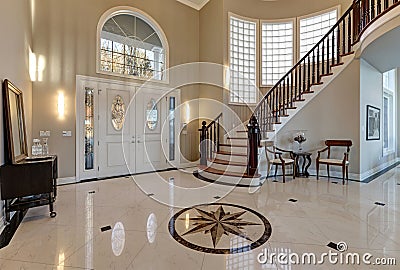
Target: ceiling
{"type": "Point", "coordinates": [196, 4]}
{"type": "Point", "coordinates": [383, 53]}
{"type": "Point", "coordinates": [199, 4]}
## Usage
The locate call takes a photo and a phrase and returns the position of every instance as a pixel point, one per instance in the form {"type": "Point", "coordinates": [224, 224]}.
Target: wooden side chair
{"type": "Point", "coordinates": [279, 157]}
{"type": "Point", "coordinates": [329, 161]}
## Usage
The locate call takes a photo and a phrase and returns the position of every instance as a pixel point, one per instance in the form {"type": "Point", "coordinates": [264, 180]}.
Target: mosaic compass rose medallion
{"type": "Point", "coordinates": [220, 228]}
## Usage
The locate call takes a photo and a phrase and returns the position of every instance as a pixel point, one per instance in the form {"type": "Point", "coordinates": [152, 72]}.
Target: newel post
{"type": "Point", "coordinates": [254, 141]}
{"type": "Point", "coordinates": [203, 144]}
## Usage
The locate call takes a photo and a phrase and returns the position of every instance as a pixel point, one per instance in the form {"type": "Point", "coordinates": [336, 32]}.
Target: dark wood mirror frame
{"type": "Point", "coordinates": [11, 130]}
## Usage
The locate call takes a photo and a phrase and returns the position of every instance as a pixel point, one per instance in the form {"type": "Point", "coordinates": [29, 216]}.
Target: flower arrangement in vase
{"type": "Point", "coordinates": [300, 138]}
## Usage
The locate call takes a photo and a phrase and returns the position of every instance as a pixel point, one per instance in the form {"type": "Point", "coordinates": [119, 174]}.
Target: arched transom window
{"type": "Point", "coordinates": [132, 44]}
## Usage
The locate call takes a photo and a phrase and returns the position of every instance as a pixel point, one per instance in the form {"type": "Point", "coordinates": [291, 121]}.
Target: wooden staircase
{"type": "Point", "coordinates": [228, 164]}
{"type": "Point", "coordinates": [234, 160]}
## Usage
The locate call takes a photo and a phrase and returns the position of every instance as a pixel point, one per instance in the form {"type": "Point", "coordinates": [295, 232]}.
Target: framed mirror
{"type": "Point", "coordinates": [14, 119]}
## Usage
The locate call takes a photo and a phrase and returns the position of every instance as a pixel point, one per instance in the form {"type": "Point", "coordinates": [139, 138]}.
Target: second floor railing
{"type": "Point", "coordinates": [318, 62]}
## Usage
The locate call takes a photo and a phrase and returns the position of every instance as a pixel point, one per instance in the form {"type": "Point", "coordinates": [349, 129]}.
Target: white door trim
{"type": "Point", "coordinates": [88, 81]}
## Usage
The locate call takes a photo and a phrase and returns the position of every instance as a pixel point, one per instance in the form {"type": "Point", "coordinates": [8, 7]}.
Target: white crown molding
{"type": "Point", "coordinates": [191, 4]}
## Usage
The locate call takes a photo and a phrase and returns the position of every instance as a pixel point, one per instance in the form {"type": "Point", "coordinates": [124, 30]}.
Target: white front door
{"type": "Point", "coordinates": [150, 115]}
{"type": "Point", "coordinates": [115, 145]}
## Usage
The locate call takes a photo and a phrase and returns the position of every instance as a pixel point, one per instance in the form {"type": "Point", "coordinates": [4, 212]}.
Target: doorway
{"type": "Point", "coordinates": [125, 129]}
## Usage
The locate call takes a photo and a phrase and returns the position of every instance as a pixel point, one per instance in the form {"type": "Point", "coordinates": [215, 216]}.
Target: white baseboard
{"type": "Point", "coordinates": [66, 180]}
{"type": "Point", "coordinates": [379, 168]}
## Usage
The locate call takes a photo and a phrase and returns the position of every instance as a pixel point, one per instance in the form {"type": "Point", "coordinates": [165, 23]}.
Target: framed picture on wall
{"type": "Point", "coordinates": [373, 123]}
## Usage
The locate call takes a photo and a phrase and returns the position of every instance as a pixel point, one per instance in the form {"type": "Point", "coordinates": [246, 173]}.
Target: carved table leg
{"type": "Point", "coordinates": [308, 165]}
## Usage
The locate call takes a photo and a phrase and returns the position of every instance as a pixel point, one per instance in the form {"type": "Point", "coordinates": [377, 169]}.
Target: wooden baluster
{"type": "Point", "coordinates": [276, 112]}
{"type": "Point", "coordinates": [218, 134]}
{"type": "Point", "coordinates": [208, 143]}
{"type": "Point", "coordinates": [203, 144]}
{"type": "Point", "coordinates": [280, 99]}
{"type": "Point", "coordinates": [327, 56]}
{"type": "Point", "coordinates": [211, 148]}
{"type": "Point", "coordinates": [304, 76]}
{"type": "Point", "coordinates": [333, 47]}
{"type": "Point", "coordinates": [356, 20]}
{"type": "Point", "coordinates": [338, 45]}
{"type": "Point", "coordinates": [287, 92]}
{"type": "Point", "coordinates": [291, 89]}
{"type": "Point", "coordinates": [386, 4]}
{"type": "Point", "coordinates": [349, 34]}
{"type": "Point", "coordinates": [295, 83]}
{"type": "Point", "coordinates": [320, 63]}
{"type": "Point", "coordinates": [313, 67]}
{"type": "Point", "coordinates": [308, 73]}
{"type": "Point", "coordinates": [378, 7]}
{"type": "Point", "coordinates": [372, 9]}
{"type": "Point", "coordinates": [367, 12]}
{"type": "Point", "coordinates": [344, 37]}
{"type": "Point", "coordinates": [215, 136]}
{"type": "Point", "coordinates": [299, 85]}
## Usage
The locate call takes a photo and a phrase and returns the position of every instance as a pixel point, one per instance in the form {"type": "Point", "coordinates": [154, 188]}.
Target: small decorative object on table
{"type": "Point", "coordinates": [300, 138]}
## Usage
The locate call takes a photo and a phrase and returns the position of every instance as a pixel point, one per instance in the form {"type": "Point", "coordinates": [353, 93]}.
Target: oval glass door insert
{"type": "Point", "coordinates": [118, 113]}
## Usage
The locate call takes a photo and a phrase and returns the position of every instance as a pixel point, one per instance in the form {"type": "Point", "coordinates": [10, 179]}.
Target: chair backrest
{"type": "Point", "coordinates": [347, 143]}
{"type": "Point", "coordinates": [338, 143]}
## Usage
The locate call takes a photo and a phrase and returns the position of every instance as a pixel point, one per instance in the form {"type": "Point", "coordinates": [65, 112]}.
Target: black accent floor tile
{"type": "Point", "coordinates": [106, 228]}
{"type": "Point", "coordinates": [217, 197]}
{"type": "Point", "coordinates": [335, 183]}
{"type": "Point", "coordinates": [150, 194]}
{"type": "Point", "coordinates": [92, 192]}
{"type": "Point", "coordinates": [292, 200]}
{"type": "Point", "coordinates": [380, 204]}
{"type": "Point", "coordinates": [276, 181]}
{"type": "Point", "coordinates": [332, 245]}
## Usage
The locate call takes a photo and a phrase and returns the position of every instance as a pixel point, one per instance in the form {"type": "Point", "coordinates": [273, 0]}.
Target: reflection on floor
{"type": "Point", "coordinates": [114, 224]}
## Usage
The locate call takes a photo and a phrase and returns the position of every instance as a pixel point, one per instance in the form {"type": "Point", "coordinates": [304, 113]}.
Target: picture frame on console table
{"type": "Point", "coordinates": [373, 123]}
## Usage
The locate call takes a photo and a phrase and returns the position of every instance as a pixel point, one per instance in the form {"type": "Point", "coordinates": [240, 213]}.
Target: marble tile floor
{"type": "Point", "coordinates": [138, 211]}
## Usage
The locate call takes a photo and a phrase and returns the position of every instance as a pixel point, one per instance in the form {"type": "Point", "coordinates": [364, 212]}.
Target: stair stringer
{"type": "Point", "coordinates": [337, 70]}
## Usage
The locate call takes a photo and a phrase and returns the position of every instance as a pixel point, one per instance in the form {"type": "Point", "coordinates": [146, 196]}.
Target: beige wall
{"type": "Point", "coordinates": [15, 29]}
{"type": "Point", "coordinates": [333, 114]}
{"type": "Point", "coordinates": [65, 35]}
{"type": "Point", "coordinates": [211, 50]}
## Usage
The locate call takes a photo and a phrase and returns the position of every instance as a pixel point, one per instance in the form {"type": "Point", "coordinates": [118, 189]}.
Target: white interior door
{"type": "Point", "coordinates": [115, 139]}
{"type": "Point", "coordinates": [150, 115]}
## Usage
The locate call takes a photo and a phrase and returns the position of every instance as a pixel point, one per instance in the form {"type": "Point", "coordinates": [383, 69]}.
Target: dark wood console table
{"type": "Point", "coordinates": [29, 183]}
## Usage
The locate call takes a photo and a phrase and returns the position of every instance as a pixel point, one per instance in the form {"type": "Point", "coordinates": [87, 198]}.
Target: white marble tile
{"type": "Point", "coordinates": [108, 252]}
{"type": "Point", "coordinates": [166, 253]}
